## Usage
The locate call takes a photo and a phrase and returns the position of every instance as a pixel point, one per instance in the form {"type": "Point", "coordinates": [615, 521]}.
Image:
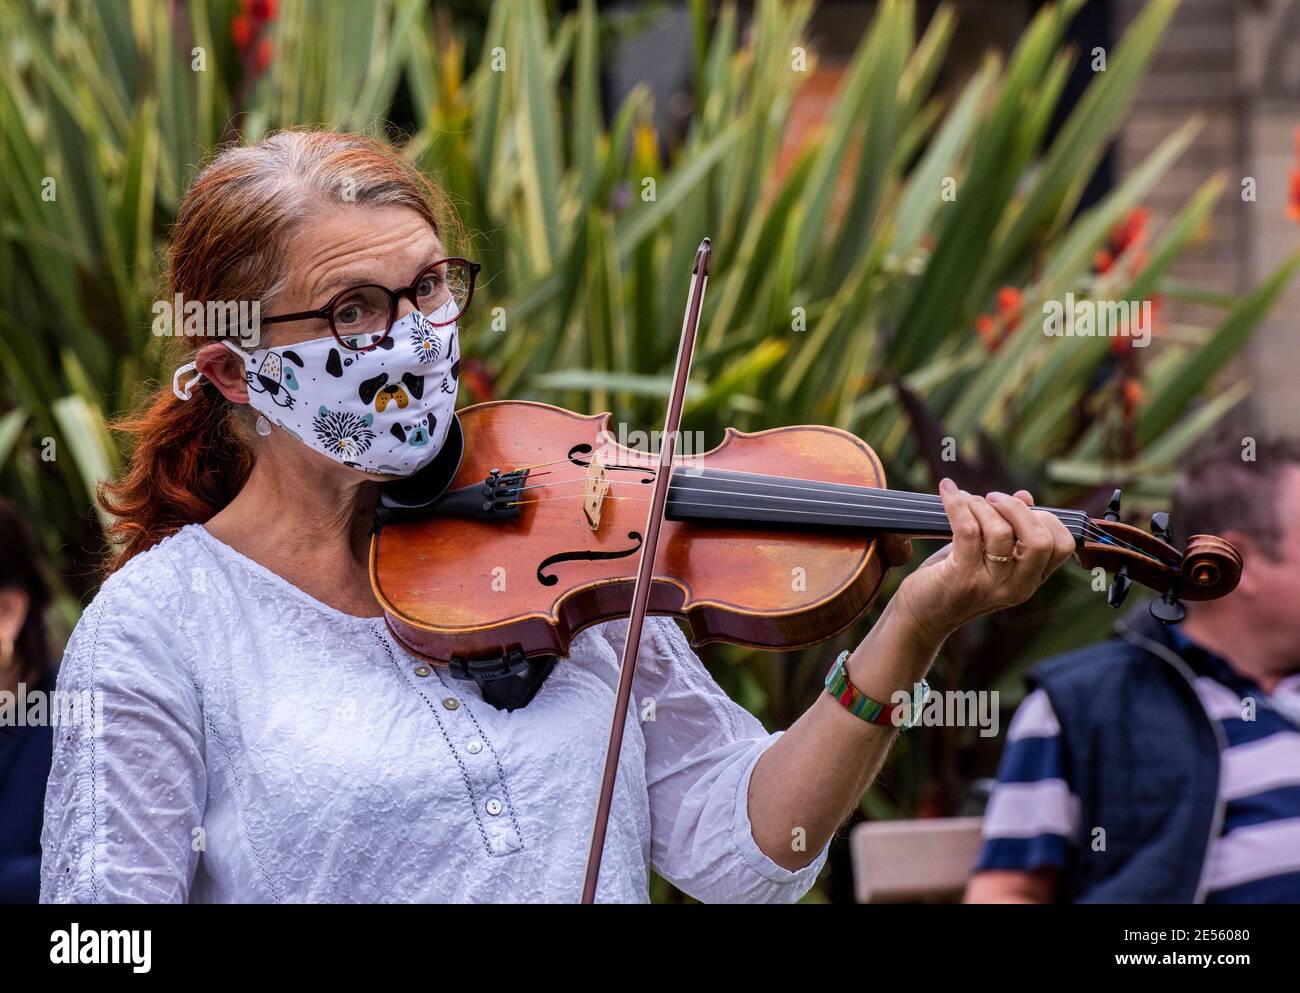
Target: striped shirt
{"type": "Point", "coordinates": [1034, 821]}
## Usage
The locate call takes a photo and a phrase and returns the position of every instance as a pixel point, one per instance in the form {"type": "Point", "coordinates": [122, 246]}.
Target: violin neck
{"type": "Point", "coordinates": [720, 495]}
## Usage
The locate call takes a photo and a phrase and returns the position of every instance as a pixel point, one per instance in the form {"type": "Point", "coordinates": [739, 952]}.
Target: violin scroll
{"type": "Point", "coordinates": [1212, 564]}
{"type": "Point", "coordinates": [1207, 569]}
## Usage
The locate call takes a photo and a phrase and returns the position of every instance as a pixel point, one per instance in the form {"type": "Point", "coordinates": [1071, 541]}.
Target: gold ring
{"type": "Point", "coordinates": [997, 558]}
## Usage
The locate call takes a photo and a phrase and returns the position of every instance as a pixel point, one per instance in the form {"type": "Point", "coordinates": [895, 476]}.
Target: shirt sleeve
{"type": "Point", "coordinates": [701, 749]}
{"type": "Point", "coordinates": [1032, 820]}
{"type": "Point", "coordinates": [124, 805]}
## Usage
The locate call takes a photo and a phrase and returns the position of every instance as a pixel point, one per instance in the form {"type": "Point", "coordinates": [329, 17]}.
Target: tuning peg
{"type": "Point", "coordinates": [1112, 508]}
{"type": "Point", "coordinates": [1119, 587]}
{"type": "Point", "coordinates": [1161, 528]}
{"type": "Point", "coordinates": [1168, 609]}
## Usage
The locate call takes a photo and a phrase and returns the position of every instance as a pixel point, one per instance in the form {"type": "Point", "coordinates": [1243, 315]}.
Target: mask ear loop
{"type": "Point", "coordinates": [186, 391]}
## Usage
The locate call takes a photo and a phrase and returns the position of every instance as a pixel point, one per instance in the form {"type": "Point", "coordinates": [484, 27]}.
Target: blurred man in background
{"type": "Point", "coordinates": [1163, 765]}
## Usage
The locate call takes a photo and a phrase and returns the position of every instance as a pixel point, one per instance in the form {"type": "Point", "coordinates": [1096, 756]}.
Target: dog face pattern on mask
{"type": "Point", "coordinates": [416, 435]}
{"type": "Point", "coordinates": [275, 377]}
{"type": "Point", "coordinates": [379, 392]}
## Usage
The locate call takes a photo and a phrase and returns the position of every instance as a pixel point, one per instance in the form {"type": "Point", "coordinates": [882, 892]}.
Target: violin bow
{"type": "Point", "coordinates": [645, 569]}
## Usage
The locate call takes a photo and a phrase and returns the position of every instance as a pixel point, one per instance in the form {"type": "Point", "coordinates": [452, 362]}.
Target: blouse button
{"type": "Point", "coordinates": [450, 702]}
{"type": "Point", "coordinates": [474, 747]}
{"type": "Point", "coordinates": [494, 807]}
{"type": "Point", "coordinates": [422, 670]}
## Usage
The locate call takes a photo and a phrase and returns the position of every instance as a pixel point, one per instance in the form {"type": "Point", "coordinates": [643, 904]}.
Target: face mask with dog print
{"type": "Point", "coordinates": [386, 409]}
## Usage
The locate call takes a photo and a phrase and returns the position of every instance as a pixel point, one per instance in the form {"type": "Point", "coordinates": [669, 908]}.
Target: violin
{"type": "Point", "coordinates": [771, 540]}
{"type": "Point", "coordinates": [535, 522]}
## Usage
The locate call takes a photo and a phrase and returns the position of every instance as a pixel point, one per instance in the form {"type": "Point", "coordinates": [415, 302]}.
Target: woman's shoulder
{"type": "Point", "coordinates": [156, 580]}
{"type": "Point", "coordinates": [136, 613]}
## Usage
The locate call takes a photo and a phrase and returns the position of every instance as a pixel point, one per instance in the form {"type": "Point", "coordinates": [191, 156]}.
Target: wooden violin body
{"type": "Point", "coordinates": [453, 587]}
{"type": "Point", "coordinates": [769, 540]}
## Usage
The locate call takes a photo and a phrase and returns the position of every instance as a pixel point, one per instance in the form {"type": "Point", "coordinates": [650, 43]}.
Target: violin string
{"type": "Point", "coordinates": [820, 513]}
{"type": "Point", "coordinates": [811, 486]}
{"type": "Point", "coordinates": [893, 499]}
{"type": "Point", "coordinates": [649, 467]}
{"type": "Point", "coordinates": [928, 506]}
{"type": "Point", "coordinates": [541, 465]}
{"type": "Point", "coordinates": [808, 486]}
{"type": "Point", "coordinates": [1080, 520]}
{"type": "Point", "coordinates": [549, 499]}
{"type": "Point", "coordinates": [795, 482]}
{"type": "Point", "coordinates": [558, 482]}
{"type": "Point", "coordinates": [927, 501]}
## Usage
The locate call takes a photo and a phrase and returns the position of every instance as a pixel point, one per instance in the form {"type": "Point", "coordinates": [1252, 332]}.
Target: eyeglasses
{"type": "Point", "coordinates": [361, 317]}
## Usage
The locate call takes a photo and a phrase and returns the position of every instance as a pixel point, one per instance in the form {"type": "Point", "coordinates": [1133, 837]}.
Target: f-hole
{"type": "Point", "coordinates": [547, 579]}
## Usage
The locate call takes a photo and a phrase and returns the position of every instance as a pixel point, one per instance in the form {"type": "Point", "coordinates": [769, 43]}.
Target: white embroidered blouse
{"type": "Point", "coordinates": [257, 745]}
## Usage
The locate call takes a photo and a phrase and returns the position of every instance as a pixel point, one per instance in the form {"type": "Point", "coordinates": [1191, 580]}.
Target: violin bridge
{"type": "Point", "coordinates": [593, 491]}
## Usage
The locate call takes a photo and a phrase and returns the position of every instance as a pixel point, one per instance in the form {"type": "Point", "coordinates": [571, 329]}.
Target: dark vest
{"type": "Point", "coordinates": [1142, 756]}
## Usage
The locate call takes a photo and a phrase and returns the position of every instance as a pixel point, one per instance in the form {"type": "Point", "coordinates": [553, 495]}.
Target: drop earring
{"type": "Point", "coordinates": [263, 426]}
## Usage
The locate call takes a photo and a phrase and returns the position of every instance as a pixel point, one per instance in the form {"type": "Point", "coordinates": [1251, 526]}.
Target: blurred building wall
{"type": "Point", "coordinates": [1237, 64]}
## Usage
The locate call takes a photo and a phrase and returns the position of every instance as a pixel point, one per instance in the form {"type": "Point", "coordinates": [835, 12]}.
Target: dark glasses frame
{"type": "Point", "coordinates": [326, 313]}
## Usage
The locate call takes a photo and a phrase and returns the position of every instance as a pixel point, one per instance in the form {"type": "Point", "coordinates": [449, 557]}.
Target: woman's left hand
{"type": "Point", "coordinates": [1001, 552]}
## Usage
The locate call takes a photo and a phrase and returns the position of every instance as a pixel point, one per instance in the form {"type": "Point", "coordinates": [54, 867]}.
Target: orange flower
{"type": "Point", "coordinates": [1009, 300]}
{"type": "Point", "coordinates": [264, 52]}
{"type": "Point", "coordinates": [994, 330]}
{"type": "Point", "coordinates": [1128, 233]}
{"type": "Point", "coordinates": [1132, 230]}
{"type": "Point", "coordinates": [241, 30]}
{"type": "Point", "coordinates": [987, 328]}
{"type": "Point", "coordinates": [248, 26]}
{"type": "Point", "coordinates": [1132, 396]}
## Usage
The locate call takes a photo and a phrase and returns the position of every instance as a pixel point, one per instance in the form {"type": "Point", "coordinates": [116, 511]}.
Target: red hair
{"type": "Point", "coordinates": [229, 242]}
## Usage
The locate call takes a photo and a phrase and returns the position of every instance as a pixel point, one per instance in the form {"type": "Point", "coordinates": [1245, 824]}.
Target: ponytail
{"type": "Point", "coordinates": [190, 458]}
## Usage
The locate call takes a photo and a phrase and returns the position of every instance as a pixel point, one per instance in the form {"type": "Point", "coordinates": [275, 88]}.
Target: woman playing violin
{"type": "Point", "coordinates": [265, 738]}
